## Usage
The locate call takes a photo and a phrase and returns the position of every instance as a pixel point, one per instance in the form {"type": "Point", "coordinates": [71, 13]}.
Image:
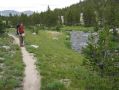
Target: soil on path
{"type": "Point", "coordinates": [32, 78]}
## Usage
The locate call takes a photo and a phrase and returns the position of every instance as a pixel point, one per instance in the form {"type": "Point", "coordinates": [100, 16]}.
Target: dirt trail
{"type": "Point", "coordinates": [31, 79]}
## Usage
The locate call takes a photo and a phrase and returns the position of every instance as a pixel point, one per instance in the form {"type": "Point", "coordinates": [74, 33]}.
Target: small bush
{"type": "Point", "coordinates": [1, 27]}
{"type": "Point", "coordinates": [56, 85]}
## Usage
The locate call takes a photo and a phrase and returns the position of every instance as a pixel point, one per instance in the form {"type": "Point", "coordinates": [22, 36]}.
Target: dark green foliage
{"type": "Point", "coordinates": [51, 19]}
{"type": "Point", "coordinates": [2, 26]}
{"type": "Point", "coordinates": [89, 13]}
{"type": "Point", "coordinates": [56, 85]}
{"type": "Point", "coordinates": [58, 27]}
{"type": "Point", "coordinates": [102, 55]}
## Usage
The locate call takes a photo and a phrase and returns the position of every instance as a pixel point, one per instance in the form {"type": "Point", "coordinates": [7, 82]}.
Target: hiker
{"type": "Point", "coordinates": [20, 32]}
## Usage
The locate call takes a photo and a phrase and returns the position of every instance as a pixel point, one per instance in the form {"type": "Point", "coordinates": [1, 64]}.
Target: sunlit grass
{"type": "Point", "coordinates": [61, 67]}
{"type": "Point", "coordinates": [11, 65]}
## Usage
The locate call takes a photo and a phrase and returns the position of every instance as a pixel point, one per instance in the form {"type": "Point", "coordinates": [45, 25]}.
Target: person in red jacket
{"type": "Point", "coordinates": [20, 31]}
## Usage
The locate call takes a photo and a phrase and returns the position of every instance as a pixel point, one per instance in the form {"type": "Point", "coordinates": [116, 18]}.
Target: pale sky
{"type": "Point", "coordinates": [34, 5]}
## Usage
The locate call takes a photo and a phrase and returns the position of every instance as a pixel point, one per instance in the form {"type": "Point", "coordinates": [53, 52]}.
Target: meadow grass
{"type": "Point", "coordinates": [63, 28]}
{"type": "Point", "coordinates": [60, 67]}
{"type": "Point", "coordinates": [11, 65]}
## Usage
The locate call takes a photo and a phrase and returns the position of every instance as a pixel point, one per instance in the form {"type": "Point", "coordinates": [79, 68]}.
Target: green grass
{"type": "Point", "coordinates": [11, 73]}
{"type": "Point", "coordinates": [64, 28]}
{"type": "Point", "coordinates": [61, 67]}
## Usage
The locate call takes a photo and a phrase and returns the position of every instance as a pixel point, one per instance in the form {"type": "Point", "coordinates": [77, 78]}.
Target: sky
{"type": "Point", "coordinates": [34, 5]}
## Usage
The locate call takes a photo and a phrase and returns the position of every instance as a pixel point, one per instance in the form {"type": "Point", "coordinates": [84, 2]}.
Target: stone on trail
{"type": "Point", "coordinates": [66, 82]}
{"type": "Point", "coordinates": [34, 33]}
{"type": "Point", "coordinates": [55, 38]}
{"type": "Point", "coordinates": [6, 47]}
{"type": "Point", "coordinates": [35, 46]}
{"type": "Point", "coordinates": [2, 58]}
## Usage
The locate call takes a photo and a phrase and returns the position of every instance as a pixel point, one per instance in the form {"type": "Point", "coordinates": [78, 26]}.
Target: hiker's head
{"type": "Point", "coordinates": [21, 24]}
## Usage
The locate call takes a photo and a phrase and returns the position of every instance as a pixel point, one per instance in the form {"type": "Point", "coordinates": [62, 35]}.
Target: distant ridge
{"type": "Point", "coordinates": [13, 12]}
{"type": "Point", "coordinates": [28, 12]}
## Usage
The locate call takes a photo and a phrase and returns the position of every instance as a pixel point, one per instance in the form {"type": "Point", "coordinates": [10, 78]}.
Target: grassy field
{"type": "Point", "coordinates": [11, 65]}
{"type": "Point", "coordinates": [60, 67]}
{"type": "Point", "coordinates": [63, 28]}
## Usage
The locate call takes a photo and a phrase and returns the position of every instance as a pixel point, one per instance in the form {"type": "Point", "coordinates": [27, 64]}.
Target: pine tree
{"type": "Point", "coordinates": [2, 26]}
{"type": "Point", "coordinates": [102, 54]}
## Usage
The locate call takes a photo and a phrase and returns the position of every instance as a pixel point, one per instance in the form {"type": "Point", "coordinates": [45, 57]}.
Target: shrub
{"type": "Point", "coordinates": [1, 27]}
{"type": "Point", "coordinates": [55, 85]}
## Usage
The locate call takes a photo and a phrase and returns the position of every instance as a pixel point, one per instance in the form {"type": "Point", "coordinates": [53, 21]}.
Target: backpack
{"type": "Point", "coordinates": [17, 29]}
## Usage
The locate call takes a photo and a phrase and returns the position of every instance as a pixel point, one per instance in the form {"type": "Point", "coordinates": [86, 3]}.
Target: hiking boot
{"type": "Point", "coordinates": [21, 45]}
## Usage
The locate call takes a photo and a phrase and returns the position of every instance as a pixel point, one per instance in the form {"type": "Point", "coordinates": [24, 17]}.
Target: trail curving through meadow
{"type": "Point", "coordinates": [32, 78]}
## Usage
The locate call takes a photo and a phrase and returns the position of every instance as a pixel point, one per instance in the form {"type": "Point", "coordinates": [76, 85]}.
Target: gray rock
{"type": "Point", "coordinates": [6, 47]}
{"type": "Point", "coordinates": [35, 46]}
{"type": "Point", "coordinates": [79, 40]}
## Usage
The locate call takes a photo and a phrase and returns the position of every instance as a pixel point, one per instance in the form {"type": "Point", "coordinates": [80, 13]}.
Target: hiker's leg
{"type": "Point", "coordinates": [20, 40]}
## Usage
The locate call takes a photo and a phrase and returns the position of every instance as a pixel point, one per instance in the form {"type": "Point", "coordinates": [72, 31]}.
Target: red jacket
{"type": "Point", "coordinates": [21, 29]}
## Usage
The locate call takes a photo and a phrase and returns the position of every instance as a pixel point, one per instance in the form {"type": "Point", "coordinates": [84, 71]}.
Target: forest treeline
{"type": "Point", "coordinates": [95, 13]}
